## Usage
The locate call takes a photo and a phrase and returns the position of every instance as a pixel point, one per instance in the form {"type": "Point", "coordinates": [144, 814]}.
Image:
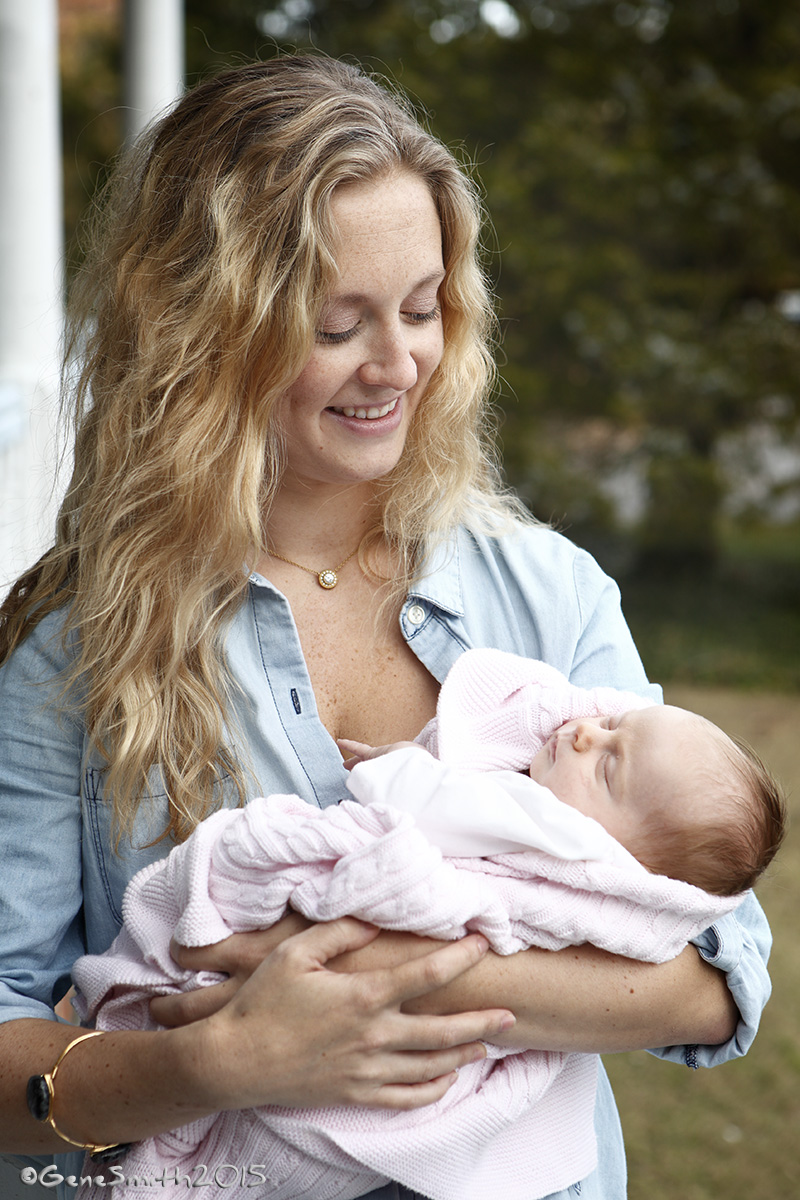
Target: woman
{"type": "Point", "coordinates": [284, 338]}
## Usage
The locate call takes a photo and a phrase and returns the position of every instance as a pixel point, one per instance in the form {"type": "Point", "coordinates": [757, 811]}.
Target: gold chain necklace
{"type": "Point", "coordinates": [328, 578]}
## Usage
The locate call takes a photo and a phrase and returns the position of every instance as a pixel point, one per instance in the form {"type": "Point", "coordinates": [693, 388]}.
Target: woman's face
{"type": "Point", "coordinates": [346, 418]}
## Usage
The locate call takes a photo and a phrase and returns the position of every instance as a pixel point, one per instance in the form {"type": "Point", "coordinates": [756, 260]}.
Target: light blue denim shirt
{"type": "Point", "coordinates": [61, 884]}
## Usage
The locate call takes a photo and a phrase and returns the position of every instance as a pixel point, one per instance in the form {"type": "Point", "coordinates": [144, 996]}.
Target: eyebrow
{"type": "Point", "coordinates": [436, 277]}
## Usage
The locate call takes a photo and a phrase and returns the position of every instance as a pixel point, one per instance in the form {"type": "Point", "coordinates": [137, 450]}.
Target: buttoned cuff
{"type": "Point", "coordinates": [739, 945]}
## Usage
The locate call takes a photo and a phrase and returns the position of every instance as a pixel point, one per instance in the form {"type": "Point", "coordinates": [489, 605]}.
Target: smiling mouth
{"type": "Point", "coordinates": [367, 414]}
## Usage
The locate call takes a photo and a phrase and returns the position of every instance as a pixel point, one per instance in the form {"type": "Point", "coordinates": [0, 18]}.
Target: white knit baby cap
{"type": "Point", "coordinates": [496, 709]}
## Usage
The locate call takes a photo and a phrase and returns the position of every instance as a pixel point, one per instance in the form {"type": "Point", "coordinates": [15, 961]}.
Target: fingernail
{"type": "Point", "coordinates": [481, 942]}
{"type": "Point", "coordinates": [508, 1022]}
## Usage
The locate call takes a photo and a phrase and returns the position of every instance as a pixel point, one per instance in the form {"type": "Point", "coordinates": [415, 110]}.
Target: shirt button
{"type": "Point", "coordinates": [416, 614]}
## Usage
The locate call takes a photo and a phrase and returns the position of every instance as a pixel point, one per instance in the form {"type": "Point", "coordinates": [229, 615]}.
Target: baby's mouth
{"type": "Point", "coordinates": [372, 413]}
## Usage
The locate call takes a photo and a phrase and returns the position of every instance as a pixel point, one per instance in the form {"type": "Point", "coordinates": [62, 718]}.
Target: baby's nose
{"type": "Point", "coordinates": [586, 734]}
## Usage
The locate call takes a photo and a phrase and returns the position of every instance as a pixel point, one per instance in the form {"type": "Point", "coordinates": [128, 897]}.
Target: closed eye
{"type": "Point", "coordinates": [327, 337]}
{"type": "Point", "coordinates": [609, 767]}
{"type": "Point", "coordinates": [335, 339]}
{"type": "Point", "coordinates": [419, 318]}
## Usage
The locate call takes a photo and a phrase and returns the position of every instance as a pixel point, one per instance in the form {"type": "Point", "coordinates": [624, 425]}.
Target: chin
{"type": "Point", "coordinates": [344, 476]}
{"type": "Point", "coordinates": [364, 468]}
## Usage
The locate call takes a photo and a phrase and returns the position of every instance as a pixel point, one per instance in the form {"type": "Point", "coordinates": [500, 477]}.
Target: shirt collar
{"type": "Point", "coordinates": [440, 583]}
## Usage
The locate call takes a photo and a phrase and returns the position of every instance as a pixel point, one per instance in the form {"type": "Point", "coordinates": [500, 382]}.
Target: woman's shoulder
{"type": "Point", "coordinates": [44, 653]}
{"type": "Point", "coordinates": [531, 553]}
{"type": "Point", "coordinates": [532, 591]}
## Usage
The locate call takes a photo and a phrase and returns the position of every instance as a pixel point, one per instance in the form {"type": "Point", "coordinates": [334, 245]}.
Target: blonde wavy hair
{"type": "Point", "coordinates": [195, 310]}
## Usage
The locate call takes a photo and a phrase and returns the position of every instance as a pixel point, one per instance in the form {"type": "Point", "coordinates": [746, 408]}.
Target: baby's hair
{"type": "Point", "coordinates": [727, 856]}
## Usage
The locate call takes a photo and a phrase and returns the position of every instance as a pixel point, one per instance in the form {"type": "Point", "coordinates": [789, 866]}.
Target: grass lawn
{"type": "Point", "coordinates": [732, 1133]}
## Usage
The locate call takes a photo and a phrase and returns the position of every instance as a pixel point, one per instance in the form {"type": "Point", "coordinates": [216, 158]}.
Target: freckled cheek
{"type": "Point", "coordinates": [316, 387]}
{"type": "Point", "coordinates": [436, 352]}
{"type": "Point", "coordinates": [426, 368]}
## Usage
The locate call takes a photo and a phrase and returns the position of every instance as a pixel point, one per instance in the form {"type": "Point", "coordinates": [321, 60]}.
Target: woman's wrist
{"type": "Point", "coordinates": [213, 1071]}
{"type": "Point", "coordinates": [136, 1085]}
{"type": "Point", "coordinates": [115, 1088]}
{"type": "Point", "coordinates": [139, 1084]}
{"type": "Point", "coordinates": [42, 1100]}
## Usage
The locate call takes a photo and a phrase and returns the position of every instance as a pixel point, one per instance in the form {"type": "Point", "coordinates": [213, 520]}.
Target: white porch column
{"type": "Point", "coordinates": [154, 60]}
{"type": "Point", "coordinates": [31, 266]}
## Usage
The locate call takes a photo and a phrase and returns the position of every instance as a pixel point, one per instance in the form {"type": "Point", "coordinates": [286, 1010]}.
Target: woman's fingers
{"type": "Point", "coordinates": [456, 1033]}
{"type": "Point", "coordinates": [300, 1033]}
{"type": "Point", "coordinates": [291, 1030]}
{"type": "Point", "coordinates": [404, 1097]}
{"type": "Point", "coordinates": [326, 941]}
{"type": "Point", "coordinates": [240, 953]}
{"type": "Point", "coordinates": [237, 957]}
{"type": "Point", "coordinates": [387, 988]}
{"type": "Point", "coordinates": [426, 973]}
{"type": "Point", "coordinates": [183, 1008]}
{"type": "Point", "coordinates": [407, 1050]}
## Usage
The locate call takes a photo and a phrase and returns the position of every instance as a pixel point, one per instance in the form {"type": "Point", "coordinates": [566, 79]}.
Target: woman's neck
{"type": "Point", "coordinates": [308, 524]}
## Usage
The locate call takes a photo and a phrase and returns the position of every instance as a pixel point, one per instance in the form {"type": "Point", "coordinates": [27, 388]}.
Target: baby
{"type": "Point", "coordinates": [680, 795]}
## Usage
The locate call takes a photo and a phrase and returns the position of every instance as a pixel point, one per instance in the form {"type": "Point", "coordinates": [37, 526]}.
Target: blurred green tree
{"type": "Point", "coordinates": [91, 106]}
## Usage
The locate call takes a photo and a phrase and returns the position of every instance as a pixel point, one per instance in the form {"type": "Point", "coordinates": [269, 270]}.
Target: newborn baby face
{"type": "Point", "coordinates": [619, 769]}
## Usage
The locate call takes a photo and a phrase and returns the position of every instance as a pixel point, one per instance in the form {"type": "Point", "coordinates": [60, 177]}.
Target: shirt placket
{"type": "Point", "coordinates": [287, 707]}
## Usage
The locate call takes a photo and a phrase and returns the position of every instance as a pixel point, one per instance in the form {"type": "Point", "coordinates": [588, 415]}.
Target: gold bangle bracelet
{"type": "Point", "coordinates": [40, 1094]}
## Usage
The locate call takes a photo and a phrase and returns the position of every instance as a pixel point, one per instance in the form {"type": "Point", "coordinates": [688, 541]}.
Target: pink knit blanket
{"type": "Point", "coordinates": [517, 1125]}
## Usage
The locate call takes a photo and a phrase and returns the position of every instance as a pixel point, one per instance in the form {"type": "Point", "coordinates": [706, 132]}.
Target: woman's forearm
{"type": "Point", "coordinates": [588, 1000]}
{"type": "Point", "coordinates": [581, 998]}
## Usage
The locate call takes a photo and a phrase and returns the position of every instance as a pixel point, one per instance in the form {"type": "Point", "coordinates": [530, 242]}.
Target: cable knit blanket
{"type": "Point", "coordinates": [519, 1125]}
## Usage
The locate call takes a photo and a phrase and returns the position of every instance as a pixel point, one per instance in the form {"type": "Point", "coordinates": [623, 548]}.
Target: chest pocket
{"type": "Point", "coordinates": [106, 868]}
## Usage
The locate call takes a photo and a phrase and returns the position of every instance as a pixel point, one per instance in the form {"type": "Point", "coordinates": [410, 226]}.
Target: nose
{"type": "Point", "coordinates": [389, 363]}
{"type": "Point", "coordinates": [586, 734]}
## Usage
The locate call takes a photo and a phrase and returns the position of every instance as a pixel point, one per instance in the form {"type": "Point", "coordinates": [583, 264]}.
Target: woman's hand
{"type": "Point", "coordinates": [296, 1033]}
{"type": "Point", "coordinates": [237, 957]}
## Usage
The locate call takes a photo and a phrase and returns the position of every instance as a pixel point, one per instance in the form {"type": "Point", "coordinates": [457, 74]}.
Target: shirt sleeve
{"type": "Point", "coordinates": [41, 749]}
{"type": "Point", "coordinates": [739, 945]}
